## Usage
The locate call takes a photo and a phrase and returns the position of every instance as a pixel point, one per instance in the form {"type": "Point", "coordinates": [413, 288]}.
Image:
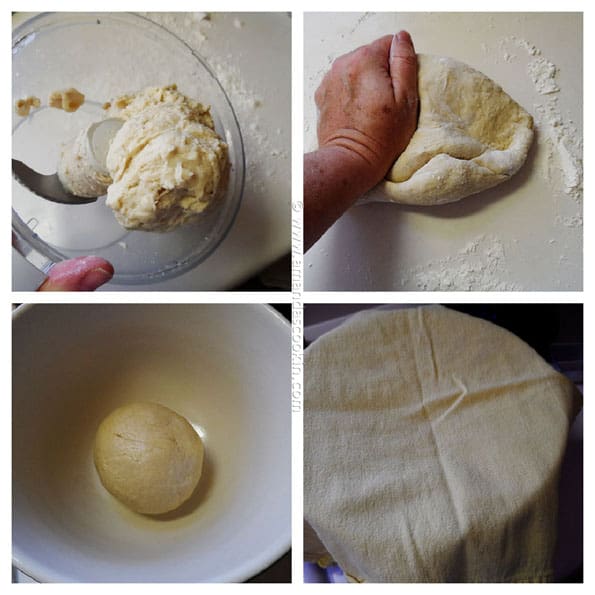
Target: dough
{"type": "Point", "coordinates": [69, 100]}
{"type": "Point", "coordinates": [148, 457]}
{"type": "Point", "coordinates": [78, 169]}
{"type": "Point", "coordinates": [432, 448]}
{"type": "Point", "coordinates": [470, 136]}
{"type": "Point", "coordinates": [23, 106]}
{"type": "Point", "coordinates": [167, 162]}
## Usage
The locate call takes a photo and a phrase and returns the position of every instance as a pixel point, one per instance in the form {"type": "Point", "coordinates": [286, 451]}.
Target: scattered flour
{"type": "Point", "coordinates": [563, 141]}
{"type": "Point", "coordinates": [478, 266]}
{"type": "Point", "coordinates": [571, 221]}
{"type": "Point", "coordinates": [504, 51]}
{"type": "Point", "coordinates": [543, 73]}
{"type": "Point", "coordinates": [564, 148]}
{"type": "Point", "coordinates": [362, 19]}
{"type": "Point", "coordinates": [524, 44]}
{"type": "Point", "coordinates": [541, 70]}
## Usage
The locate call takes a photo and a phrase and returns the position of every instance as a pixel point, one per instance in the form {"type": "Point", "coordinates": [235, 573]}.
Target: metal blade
{"type": "Point", "coordinates": [48, 187]}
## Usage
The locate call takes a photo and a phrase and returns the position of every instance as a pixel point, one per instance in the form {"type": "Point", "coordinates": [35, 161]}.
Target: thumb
{"type": "Point", "coordinates": [85, 273]}
{"type": "Point", "coordinates": [403, 70]}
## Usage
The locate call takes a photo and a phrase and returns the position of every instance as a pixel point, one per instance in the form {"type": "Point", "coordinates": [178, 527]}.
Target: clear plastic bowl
{"type": "Point", "coordinates": [104, 55]}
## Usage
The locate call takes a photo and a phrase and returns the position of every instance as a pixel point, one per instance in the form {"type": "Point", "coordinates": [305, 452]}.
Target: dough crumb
{"type": "Point", "coordinates": [68, 100]}
{"type": "Point", "coordinates": [23, 106]}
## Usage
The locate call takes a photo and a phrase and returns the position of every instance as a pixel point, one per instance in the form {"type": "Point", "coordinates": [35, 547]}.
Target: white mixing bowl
{"type": "Point", "coordinates": [226, 368]}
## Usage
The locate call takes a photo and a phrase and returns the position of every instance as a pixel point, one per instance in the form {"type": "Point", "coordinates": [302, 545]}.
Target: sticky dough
{"type": "Point", "coordinates": [167, 162]}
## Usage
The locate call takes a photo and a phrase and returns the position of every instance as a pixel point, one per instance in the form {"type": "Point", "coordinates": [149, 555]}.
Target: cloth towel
{"type": "Point", "coordinates": [432, 447]}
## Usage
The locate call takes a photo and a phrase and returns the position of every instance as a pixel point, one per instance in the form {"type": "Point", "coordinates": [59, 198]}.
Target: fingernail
{"type": "Point", "coordinates": [84, 273]}
{"type": "Point", "coordinates": [94, 279]}
{"type": "Point", "coordinates": [404, 38]}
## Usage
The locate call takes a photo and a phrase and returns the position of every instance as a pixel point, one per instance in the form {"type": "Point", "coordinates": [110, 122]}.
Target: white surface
{"type": "Point", "coordinates": [523, 235]}
{"type": "Point", "coordinates": [224, 368]}
{"type": "Point", "coordinates": [256, 77]}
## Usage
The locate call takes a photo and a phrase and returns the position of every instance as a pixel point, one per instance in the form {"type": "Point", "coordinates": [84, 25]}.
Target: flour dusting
{"type": "Point", "coordinates": [564, 146]}
{"type": "Point", "coordinates": [557, 133]}
{"type": "Point", "coordinates": [543, 72]}
{"type": "Point", "coordinates": [478, 266]}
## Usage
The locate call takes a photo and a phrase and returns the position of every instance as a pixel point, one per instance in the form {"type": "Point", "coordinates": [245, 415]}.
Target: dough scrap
{"type": "Point", "coordinates": [470, 136]}
{"type": "Point", "coordinates": [148, 457]}
{"type": "Point", "coordinates": [23, 106]}
{"type": "Point", "coordinates": [432, 447]}
{"type": "Point", "coordinates": [68, 100]}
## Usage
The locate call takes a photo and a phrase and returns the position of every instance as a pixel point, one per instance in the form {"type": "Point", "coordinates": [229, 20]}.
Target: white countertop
{"type": "Point", "coordinates": [256, 76]}
{"type": "Point", "coordinates": [523, 235]}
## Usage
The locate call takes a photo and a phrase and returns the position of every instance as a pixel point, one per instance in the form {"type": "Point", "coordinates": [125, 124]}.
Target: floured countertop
{"type": "Point", "coordinates": [257, 79]}
{"type": "Point", "coordinates": [525, 234]}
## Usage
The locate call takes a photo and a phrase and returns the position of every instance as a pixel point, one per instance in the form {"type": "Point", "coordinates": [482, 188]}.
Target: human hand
{"type": "Point", "coordinates": [368, 103]}
{"type": "Point", "coordinates": [85, 273]}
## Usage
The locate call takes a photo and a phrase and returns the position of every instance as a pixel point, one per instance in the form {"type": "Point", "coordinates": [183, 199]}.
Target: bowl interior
{"type": "Point", "coordinates": [104, 55]}
{"type": "Point", "coordinates": [224, 368]}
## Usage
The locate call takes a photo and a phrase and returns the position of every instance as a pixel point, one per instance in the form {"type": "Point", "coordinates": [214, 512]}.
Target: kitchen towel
{"type": "Point", "coordinates": [432, 447]}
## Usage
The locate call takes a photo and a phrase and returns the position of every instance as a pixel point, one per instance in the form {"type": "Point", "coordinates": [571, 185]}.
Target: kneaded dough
{"type": "Point", "coordinates": [470, 136]}
{"type": "Point", "coordinates": [148, 457]}
{"type": "Point", "coordinates": [432, 448]}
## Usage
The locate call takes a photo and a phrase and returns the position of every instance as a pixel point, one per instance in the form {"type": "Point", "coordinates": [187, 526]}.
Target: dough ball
{"type": "Point", "coordinates": [148, 457]}
{"type": "Point", "coordinates": [470, 136]}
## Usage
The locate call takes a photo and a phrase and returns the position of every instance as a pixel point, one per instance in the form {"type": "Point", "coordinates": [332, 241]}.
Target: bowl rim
{"type": "Point", "coordinates": [43, 256]}
{"type": "Point", "coordinates": [256, 563]}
